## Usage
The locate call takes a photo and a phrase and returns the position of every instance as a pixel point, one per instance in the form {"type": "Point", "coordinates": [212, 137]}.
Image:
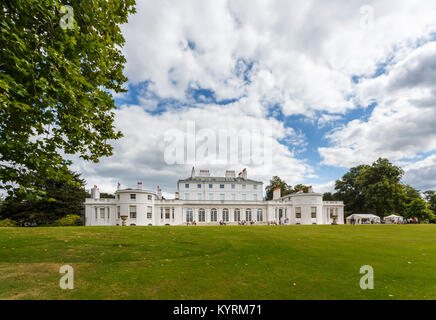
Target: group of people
{"type": "Point", "coordinates": [281, 222]}
{"type": "Point", "coordinates": [398, 221]}
{"type": "Point", "coordinates": [244, 223]}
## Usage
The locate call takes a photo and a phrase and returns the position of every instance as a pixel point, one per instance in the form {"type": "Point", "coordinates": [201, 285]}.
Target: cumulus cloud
{"type": "Point", "coordinates": [275, 60]}
{"type": "Point", "coordinates": [421, 174]}
{"type": "Point", "coordinates": [141, 155]}
{"type": "Point", "coordinates": [298, 54]}
{"type": "Point", "coordinates": [401, 126]}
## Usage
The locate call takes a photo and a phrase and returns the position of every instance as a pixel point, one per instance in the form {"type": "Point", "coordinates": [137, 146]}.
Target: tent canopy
{"type": "Point", "coordinates": [394, 216]}
{"type": "Point", "coordinates": [364, 216]}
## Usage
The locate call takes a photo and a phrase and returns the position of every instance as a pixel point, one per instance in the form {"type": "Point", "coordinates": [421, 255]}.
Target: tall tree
{"type": "Point", "coordinates": [380, 185]}
{"type": "Point", "coordinates": [328, 196]}
{"type": "Point", "coordinates": [62, 198]}
{"type": "Point", "coordinates": [430, 197]}
{"type": "Point", "coordinates": [59, 65]}
{"type": "Point", "coordinates": [348, 191]}
{"type": "Point", "coordinates": [299, 187]}
{"type": "Point", "coordinates": [419, 208]}
{"type": "Point", "coordinates": [276, 182]}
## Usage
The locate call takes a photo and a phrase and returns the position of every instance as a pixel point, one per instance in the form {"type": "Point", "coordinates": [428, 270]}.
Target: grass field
{"type": "Point", "coordinates": [259, 262]}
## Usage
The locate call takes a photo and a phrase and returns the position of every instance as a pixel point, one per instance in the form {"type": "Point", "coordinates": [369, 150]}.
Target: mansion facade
{"type": "Point", "coordinates": [206, 200]}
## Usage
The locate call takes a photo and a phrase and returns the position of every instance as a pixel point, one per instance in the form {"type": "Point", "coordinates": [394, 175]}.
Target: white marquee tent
{"type": "Point", "coordinates": [363, 218]}
{"type": "Point", "coordinates": [393, 219]}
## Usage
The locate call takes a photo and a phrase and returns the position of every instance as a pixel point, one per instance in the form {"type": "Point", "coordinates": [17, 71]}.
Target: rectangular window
{"type": "Point", "coordinates": [313, 210]}
{"type": "Point", "coordinates": [118, 196]}
{"type": "Point", "coordinates": [222, 196]}
{"type": "Point", "coordinates": [210, 196]}
{"type": "Point", "coordinates": [255, 187]}
{"type": "Point", "coordinates": [149, 212]}
{"type": "Point", "coordinates": [254, 196]}
{"type": "Point", "coordinates": [172, 209]}
{"type": "Point", "coordinates": [118, 212]}
{"type": "Point", "coordinates": [298, 212]}
{"type": "Point", "coordinates": [244, 197]}
{"type": "Point", "coordinates": [210, 186]}
{"type": "Point", "coordinates": [244, 186]}
{"type": "Point", "coordinates": [96, 213]}
{"type": "Point", "coordinates": [233, 196]}
{"type": "Point", "coordinates": [167, 213]}
{"type": "Point", "coordinates": [186, 185]}
{"type": "Point", "coordinates": [132, 196]}
{"type": "Point", "coordinates": [149, 197]}
{"type": "Point", "coordinates": [161, 213]}
{"type": "Point", "coordinates": [233, 186]}
{"type": "Point", "coordinates": [198, 196]}
{"type": "Point", "coordinates": [198, 186]}
{"type": "Point", "coordinates": [102, 213]}
{"type": "Point", "coordinates": [132, 211]}
{"type": "Point", "coordinates": [221, 186]}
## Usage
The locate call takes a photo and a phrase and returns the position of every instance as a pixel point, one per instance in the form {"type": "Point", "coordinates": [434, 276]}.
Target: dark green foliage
{"type": "Point", "coordinates": [430, 197]}
{"type": "Point", "coordinates": [104, 195]}
{"type": "Point", "coordinates": [375, 188]}
{"type": "Point", "coordinates": [69, 220]}
{"type": "Point", "coordinates": [62, 198]}
{"type": "Point", "coordinates": [419, 208]}
{"type": "Point", "coordinates": [299, 187]}
{"type": "Point", "coordinates": [328, 196]}
{"type": "Point", "coordinates": [55, 87]}
{"type": "Point", "coordinates": [276, 182]}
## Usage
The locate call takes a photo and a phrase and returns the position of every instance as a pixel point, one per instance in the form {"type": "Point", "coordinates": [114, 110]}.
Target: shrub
{"type": "Point", "coordinates": [8, 223]}
{"type": "Point", "coordinates": [69, 220]}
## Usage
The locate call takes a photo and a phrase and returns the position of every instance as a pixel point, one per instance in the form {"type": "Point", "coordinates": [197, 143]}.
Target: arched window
{"type": "Point", "coordinates": [213, 215]}
{"type": "Point", "coordinates": [259, 215]}
{"type": "Point", "coordinates": [201, 215]}
{"type": "Point", "coordinates": [237, 214]}
{"type": "Point", "coordinates": [248, 214]}
{"type": "Point", "coordinates": [189, 215]}
{"type": "Point", "coordinates": [225, 215]}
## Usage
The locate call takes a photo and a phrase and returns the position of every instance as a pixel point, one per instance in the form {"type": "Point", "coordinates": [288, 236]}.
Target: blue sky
{"type": "Point", "coordinates": [337, 89]}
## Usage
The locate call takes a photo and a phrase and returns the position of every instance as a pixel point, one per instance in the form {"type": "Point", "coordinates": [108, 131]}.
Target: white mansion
{"type": "Point", "coordinates": [208, 200]}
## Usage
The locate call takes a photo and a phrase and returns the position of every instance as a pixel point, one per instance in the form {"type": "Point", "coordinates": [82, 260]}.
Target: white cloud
{"type": "Point", "coordinates": [304, 52]}
{"type": "Point", "coordinates": [326, 119]}
{"type": "Point", "coordinates": [139, 156]}
{"type": "Point", "coordinates": [299, 55]}
{"type": "Point", "coordinates": [325, 187]}
{"type": "Point", "coordinates": [401, 126]}
{"type": "Point", "coordinates": [421, 174]}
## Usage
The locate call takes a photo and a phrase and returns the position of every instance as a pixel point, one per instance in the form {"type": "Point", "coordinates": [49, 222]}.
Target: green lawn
{"type": "Point", "coordinates": [259, 262]}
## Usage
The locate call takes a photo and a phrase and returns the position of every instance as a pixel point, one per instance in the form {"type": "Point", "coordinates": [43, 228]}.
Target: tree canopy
{"type": "Point", "coordinates": [419, 208]}
{"type": "Point", "coordinates": [377, 189]}
{"type": "Point", "coordinates": [276, 182]}
{"type": "Point", "coordinates": [62, 198]}
{"type": "Point", "coordinates": [430, 196]}
{"type": "Point", "coordinates": [58, 69]}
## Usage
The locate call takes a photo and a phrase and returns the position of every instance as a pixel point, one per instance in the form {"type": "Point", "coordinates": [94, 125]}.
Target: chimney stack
{"type": "Point", "coordinates": [244, 173]}
{"type": "Point", "coordinates": [276, 194]}
{"type": "Point", "coordinates": [230, 174]}
{"type": "Point", "coordinates": [204, 173]}
{"type": "Point", "coordinates": [95, 193]}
